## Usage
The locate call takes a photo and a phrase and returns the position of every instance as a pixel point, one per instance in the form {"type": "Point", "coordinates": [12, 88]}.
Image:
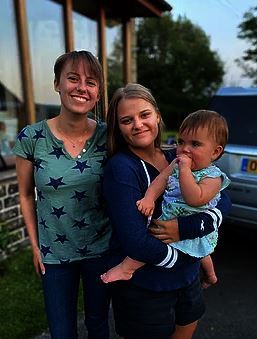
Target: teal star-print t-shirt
{"type": "Point", "coordinates": [72, 223]}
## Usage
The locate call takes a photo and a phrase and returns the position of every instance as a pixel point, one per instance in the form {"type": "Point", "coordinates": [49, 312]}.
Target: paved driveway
{"type": "Point", "coordinates": [232, 303]}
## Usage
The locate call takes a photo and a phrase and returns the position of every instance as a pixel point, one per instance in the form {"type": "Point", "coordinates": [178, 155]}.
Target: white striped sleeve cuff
{"type": "Point", "coordinates": [216, 216]}
{"type": "Point", "coordinates": [170, 259]}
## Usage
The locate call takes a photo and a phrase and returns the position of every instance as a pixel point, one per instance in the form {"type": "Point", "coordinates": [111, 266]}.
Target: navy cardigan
{"type": "Point", "coordinates": [125, 182]}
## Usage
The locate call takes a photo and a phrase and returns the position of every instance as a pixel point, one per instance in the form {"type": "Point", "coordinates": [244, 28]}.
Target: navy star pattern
{"type": "Point", "coordinates": [54, 169]}
{"type": "Point", "coordinates": [37, 164]}
{"type": "Point", "coordinates": [102, 162]}
{"type": "Point", "coordinates": [57, 151]}
{"type": "Point", "coordinates": [79, 195]}
{"type": "Point", "coordinates": [43, 223]}
{"type": "Point", "coordinates": [38, 134]}
{"type": "Point", "coordinates": [45, 250]}
{"type": "Point", "coordinates": [55, 182]}
{"type": "Point", "coordinates": [40, 195]}
{"type": "Point", "coordinates": [100, 148]}
{"type": "Point", "coordinates": [81, 166]}
{"type": "Point", "coordinates": [58, 212]}
{"type": "Point", "coordinates": [61, 238]}
{"type": "Point", "coordinates": [29, 156]}
{"type": "Point", "coordinates": [80, 223]}
{"type": "Point", "coordinates": [22, 134]}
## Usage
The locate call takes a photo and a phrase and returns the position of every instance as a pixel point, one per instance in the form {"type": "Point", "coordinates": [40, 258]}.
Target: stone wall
{"type": "Point", "coordinates": [11, 220]}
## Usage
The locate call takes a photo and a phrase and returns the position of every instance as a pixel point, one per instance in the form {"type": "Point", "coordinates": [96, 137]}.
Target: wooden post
{"type": "Point", "coordinates": [25, 63]}
{"type": "Point", "coordinates": [68, 25]}
{"type": "Point", "coordinates": [126, 34]}
{"type": "Point", "coordinates": [133, 51]}
{"type": "Point", "coordinates": [102, 54]}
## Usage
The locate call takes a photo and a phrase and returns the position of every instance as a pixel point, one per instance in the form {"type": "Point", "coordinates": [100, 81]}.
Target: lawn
{"type": "Point", "coordinates": [166, 134]}
{"type": "Point", "coordinates": [22, 311]}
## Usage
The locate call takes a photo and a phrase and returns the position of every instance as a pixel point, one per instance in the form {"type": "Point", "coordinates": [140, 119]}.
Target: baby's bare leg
{"type": "Point", "coordinates": [123, 271]}
{"type": "Point", "coordinates": [209, 275]}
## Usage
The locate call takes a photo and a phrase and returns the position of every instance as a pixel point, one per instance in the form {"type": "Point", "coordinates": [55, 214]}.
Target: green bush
{"type": "Point", "coordinates": [168, 134]}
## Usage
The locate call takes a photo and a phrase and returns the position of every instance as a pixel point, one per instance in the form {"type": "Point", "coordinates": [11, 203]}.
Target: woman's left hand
{"type": "Point", "coordinates": [167, 231]}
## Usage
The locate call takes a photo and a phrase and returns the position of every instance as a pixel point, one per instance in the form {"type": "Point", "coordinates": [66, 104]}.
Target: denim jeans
{"type": "Point", "coordinates": [61, 285]}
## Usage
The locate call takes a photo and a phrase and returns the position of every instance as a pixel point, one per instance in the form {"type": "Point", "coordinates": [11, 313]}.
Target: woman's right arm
{"type": "Point", "coordinates": [122, 191]}
{"type": "Point", "coordinates": [26, 184]}
{"type": "Point", "coordinates": [193, 226]}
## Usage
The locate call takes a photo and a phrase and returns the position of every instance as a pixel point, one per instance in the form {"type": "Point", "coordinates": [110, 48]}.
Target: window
{"type": "Point", "coordinates": [46, 36]}
{"type": "Point", "coordinates": [11, 98]}
{"type": "Point", "coordinates": [85, 33]}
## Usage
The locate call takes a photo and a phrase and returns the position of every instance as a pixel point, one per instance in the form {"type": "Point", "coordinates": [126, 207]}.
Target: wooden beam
{"type": "Point", "coordinates": [25, 63]}
{"type": "Point", "coordinates": [151, 7]}
{"type": "Point", "coordinates": [102, 53]}
{"type": "Point", "coordinates": [133, 51]}
{"type": "Point", "coordinates": [68, 25]}
{"type": "Point", "coordinates": [126, 38]}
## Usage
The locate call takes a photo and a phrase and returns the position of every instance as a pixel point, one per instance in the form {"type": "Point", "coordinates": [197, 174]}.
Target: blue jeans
{"type": "Point", "coordinates": [61, 286]}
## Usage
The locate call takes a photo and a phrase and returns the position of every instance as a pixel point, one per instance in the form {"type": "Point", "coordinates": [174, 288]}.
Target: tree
{"type": "Point", "coordinates": [175, 61]}
{"type": "Point", "coordinates": [115, 67]}
{"type": "Point", "coordinates": [248, 31]}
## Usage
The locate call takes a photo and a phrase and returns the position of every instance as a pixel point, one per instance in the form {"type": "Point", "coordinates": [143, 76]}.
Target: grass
{"type": "Point", "coordinates": [168, 134]}
{"type": "Point", "coordinates": [22, 313]}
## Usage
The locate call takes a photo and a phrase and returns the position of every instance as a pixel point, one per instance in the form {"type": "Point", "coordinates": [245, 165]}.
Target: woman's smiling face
{"type": "Point", "coordinates": [138, 122]}
{"type": "Point", "coordinates": [79, 91]}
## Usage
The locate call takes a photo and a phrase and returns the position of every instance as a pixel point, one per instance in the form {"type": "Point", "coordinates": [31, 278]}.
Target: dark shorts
{"type": "Point", "coordinates": [145, 314]}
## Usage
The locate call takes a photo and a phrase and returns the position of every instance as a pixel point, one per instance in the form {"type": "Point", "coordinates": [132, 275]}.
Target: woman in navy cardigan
{"type": "Point", "coordinates": [162, 300]}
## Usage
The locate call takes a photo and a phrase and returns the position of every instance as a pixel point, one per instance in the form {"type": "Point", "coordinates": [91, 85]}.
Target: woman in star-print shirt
{"type": "Point", "coordinates": [62, 158]}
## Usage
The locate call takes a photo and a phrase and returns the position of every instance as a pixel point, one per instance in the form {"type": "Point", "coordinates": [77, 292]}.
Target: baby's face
{"type": "Point", "coordinates": [199, 146]}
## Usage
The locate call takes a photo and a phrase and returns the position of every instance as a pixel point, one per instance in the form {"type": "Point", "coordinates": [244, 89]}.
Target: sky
{"type": "Point", "coordinates": [220, 19]}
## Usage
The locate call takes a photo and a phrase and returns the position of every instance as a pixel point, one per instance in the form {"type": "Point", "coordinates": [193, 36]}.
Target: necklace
{"type": "Point", "coordinates": [73, 143]}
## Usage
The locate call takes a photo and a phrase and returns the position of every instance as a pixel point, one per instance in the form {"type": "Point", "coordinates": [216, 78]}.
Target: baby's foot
{"type": "Point", "coordinates": [114, 274]}
{"type": "Point", "coordinates": [209, 280]}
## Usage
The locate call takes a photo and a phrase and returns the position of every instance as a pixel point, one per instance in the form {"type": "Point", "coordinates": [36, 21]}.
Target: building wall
{"type": "Point", "coordinates": [11, 219]}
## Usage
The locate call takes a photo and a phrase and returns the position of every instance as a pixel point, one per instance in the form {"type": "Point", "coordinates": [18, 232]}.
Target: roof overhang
{"type": "Point", "coordinates": [116, 9]}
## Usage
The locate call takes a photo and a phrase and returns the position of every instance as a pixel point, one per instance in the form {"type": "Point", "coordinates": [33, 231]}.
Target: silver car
{"type": "Point", "coordinates": [239, 107]}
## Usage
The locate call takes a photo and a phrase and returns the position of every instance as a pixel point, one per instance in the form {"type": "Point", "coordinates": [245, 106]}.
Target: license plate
{"type": "Point", "coordinates": [249, 165]}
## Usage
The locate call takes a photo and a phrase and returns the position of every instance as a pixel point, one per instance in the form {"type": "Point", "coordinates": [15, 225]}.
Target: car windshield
{"type": "Point", "coordinates": [241, 115]}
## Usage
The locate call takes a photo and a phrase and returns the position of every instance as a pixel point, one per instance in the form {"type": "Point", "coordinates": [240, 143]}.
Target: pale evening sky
{"type": "Point", "coordinates": [220, 20]}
